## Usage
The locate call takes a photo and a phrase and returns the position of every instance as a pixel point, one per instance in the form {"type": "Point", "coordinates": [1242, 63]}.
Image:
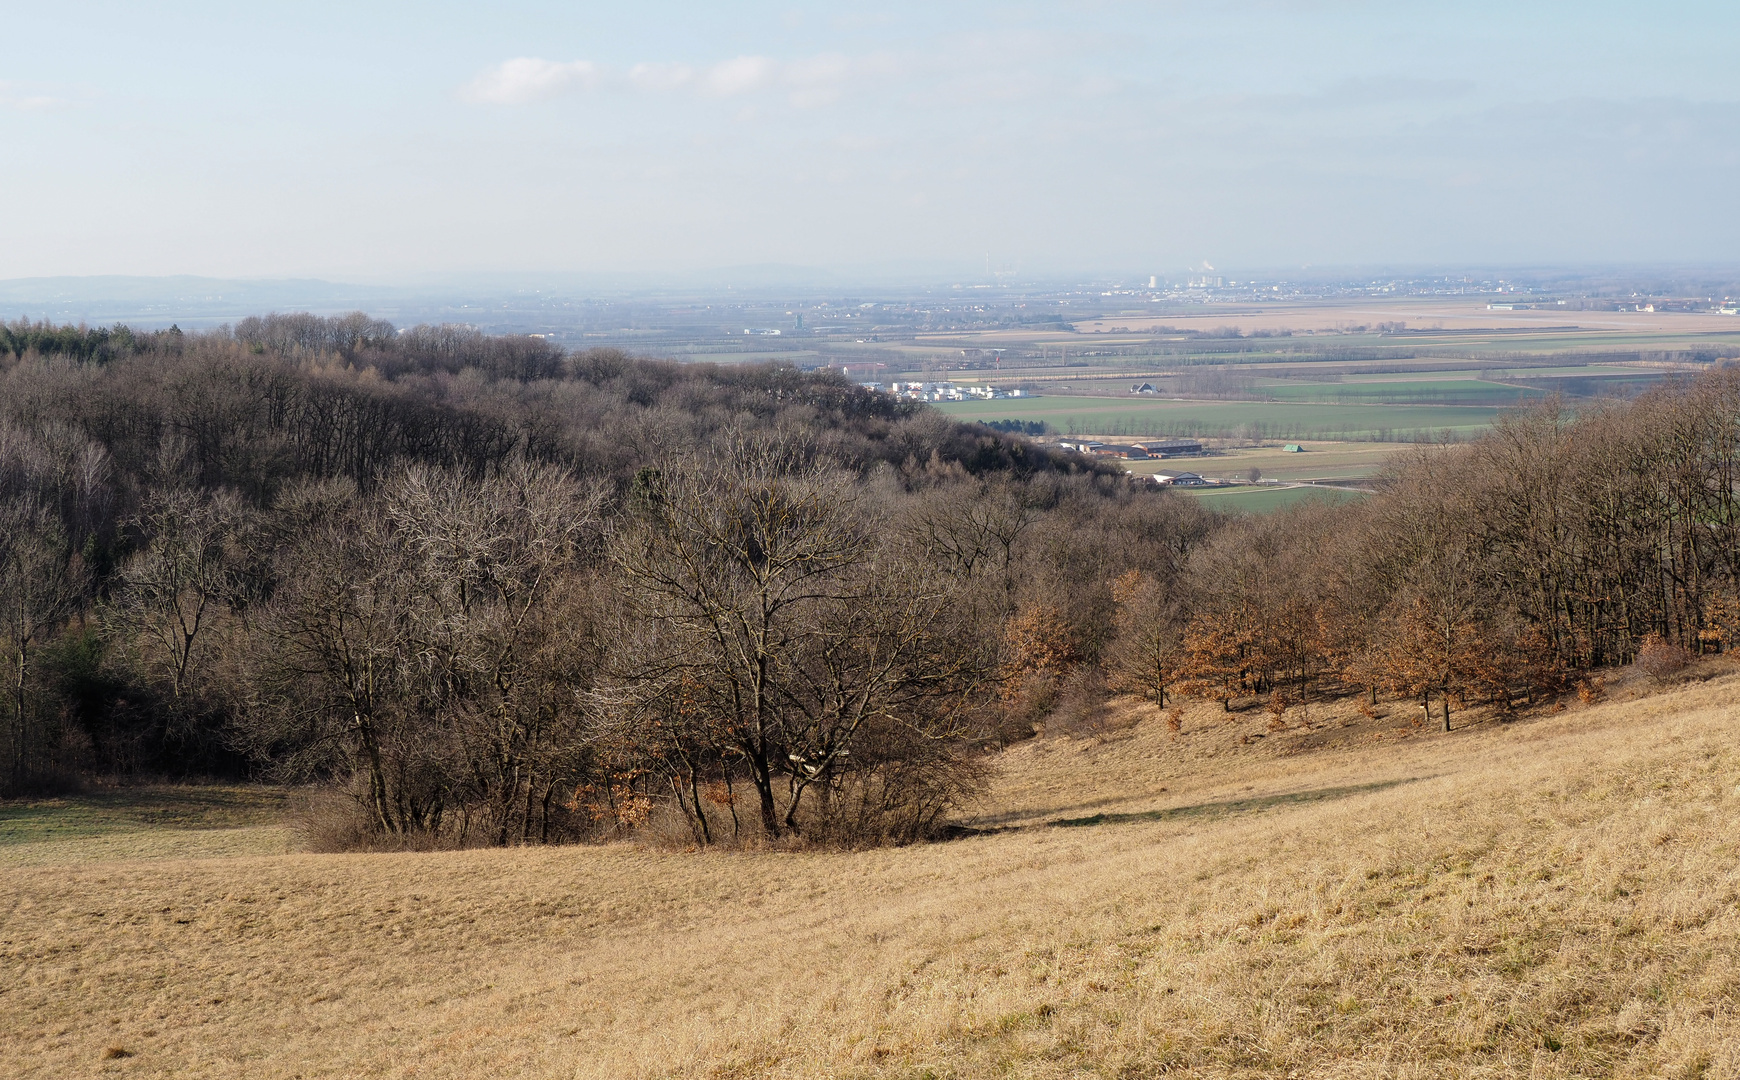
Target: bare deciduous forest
{"type": "Point", "coordinates": [493, 593]}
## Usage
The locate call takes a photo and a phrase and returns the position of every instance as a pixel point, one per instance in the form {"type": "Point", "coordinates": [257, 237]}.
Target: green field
{"type": "Point", "coordinates": [1441, 391]}
{"type": "Point", "coordinates": [145, 822]}
{"type": "Point", "coordinates": [1321, 461]}
{"type": "Point", "coordinates": [1136, 418]}
{"type": "Point", "coordinates": [1262, 500]}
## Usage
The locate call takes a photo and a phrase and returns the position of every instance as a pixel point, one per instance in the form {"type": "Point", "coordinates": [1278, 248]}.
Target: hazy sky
{"type": "Point", "coordinates": [376, 142]}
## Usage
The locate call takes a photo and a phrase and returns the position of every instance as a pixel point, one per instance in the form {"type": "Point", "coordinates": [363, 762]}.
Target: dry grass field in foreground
{"type": "Point", "coordinates": [1551, 897]}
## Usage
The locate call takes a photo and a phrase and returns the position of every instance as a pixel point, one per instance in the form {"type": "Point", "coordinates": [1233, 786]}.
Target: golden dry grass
{"type": "Point", "coordinates": [1554, 897]}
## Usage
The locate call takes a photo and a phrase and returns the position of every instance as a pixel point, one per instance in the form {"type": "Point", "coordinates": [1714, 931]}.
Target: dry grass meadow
{"type": "Point", "coordinates": [1364, 898]}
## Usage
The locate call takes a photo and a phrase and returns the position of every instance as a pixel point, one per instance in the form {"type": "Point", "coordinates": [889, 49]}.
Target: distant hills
{"type": "Point", "coordinates": [149, 301]}
{"type": "Point", "coordinates": [208, 301]}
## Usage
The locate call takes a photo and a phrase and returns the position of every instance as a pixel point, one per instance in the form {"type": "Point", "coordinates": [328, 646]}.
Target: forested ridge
{"type": "Point", "coordinates": [498, 593]}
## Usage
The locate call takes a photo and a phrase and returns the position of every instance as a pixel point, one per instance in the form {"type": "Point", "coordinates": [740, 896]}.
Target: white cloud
{"type": "Point", "coordinates": [739, 76]}
{"type": "Point", "coordinates": [527, 78]}
{"type": "Point", "coordinates": [661, 76]}
{"type": "Point", "coordinates": [727, 78]}
{"type": "Point", "coordinates": [16, 96]}
{"type": "Point", "coordinates": [809, 82]}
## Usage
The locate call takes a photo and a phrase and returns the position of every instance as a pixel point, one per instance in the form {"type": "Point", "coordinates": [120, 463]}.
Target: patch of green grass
{"type": "Point", "coordinates": [1209, 419]}
{"type": "Point", "coordinates": [1405, 392]}
{"type": "Point", "coordinates": [149, 808]}
{"type": "Point", "coordinates": [1262, 500]}
{"type": "Point", "coordinates": [156, 821]}
{"type": "Point", "coordinates": [1532, 372]}
{"type": "Point", "coordinates": [155, 844]}
{"type": "Point", "coordinates": [1320, 461]}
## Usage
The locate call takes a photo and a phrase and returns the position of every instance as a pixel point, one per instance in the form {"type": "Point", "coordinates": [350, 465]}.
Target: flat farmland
{"type": "Point", "coordinates": [1445, 316]}
{"type": "Point", "coordinates": [1136, 417]}
{"type": "Point", "coordinates": [1427, 331]}
{"type": "Point", "coordinates": [1353, 382]}
{"type": "Point", "coordinates": [1446, 391]}
{"type": "Point", "coordinates": [1262, 499]}
{"type": "Point", "coordinates": [1320, 461]}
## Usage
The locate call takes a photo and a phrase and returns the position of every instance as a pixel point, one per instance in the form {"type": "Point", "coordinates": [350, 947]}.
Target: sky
{"type": "Point", "coordinates": [397, 142]}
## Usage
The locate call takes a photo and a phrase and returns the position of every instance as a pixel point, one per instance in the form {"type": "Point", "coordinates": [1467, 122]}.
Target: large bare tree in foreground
{"type": "Point", "coordinates": [439, 645]}
{"type": "Point", "coordinates": [802, 641]}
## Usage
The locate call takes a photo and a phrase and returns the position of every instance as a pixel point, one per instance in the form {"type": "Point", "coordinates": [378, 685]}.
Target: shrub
{"type": "Point", "coordinates": [1277, 709]}
{"type": "Point", "coordinates": [1660, 658]}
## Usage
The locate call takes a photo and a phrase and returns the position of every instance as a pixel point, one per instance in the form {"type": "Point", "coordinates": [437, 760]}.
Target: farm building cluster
{"type": "Point", "coordinates": [925, 391]}
{"type": "Point", "coordinates": [1137, 451]}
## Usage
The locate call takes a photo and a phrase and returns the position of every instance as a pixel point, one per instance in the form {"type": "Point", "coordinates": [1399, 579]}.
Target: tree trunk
{"type": "Point", "coordinates": [763, 776]}
{"type": "Point", "coordinates": [700, 814]}
{"type": "Point", "coordinates": [688, 812]}
{"type": "Point", "coordinates": [21, 703]}
{"type": "Point", "coordinates": [19, 752]}
{"type": "Point", "coordinates": [377, 776]}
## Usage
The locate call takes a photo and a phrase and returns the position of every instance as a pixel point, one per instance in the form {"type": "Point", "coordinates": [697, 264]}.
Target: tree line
{"type": "Point", "coordinates": [493, 592]}
{"type": "Point", "coordinates": [1513, 566]}
{"type": "Point", "coordinates": [499, 593]}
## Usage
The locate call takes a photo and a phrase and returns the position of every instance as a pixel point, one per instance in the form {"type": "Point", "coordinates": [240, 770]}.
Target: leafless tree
{"type": "Point", "coordinates": [199, 564]}
{"type": "Point", "coordinates": [436, 642]}
{"type": "Point", "coordinates": [788, 627]}
{"type": "Point", "coordinates": [42, 584]}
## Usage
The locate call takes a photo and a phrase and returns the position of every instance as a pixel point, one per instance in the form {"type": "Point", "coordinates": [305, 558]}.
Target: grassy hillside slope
{"type": "Point", "coordinates": [1363, 898]}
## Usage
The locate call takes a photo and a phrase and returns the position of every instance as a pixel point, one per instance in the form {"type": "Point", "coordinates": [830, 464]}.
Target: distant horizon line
{"type": "Point", "coordinates": [915, 276]}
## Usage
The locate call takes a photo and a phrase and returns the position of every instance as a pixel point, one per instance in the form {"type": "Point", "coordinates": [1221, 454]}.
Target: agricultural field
{"type": "Point", "coordinates": [1435, 389]}
{"type": "Point", "coordinates": [1350, 895]}
{"type": "Point", "coordinates": [1320, 461]}
{"type": "Point", "coordinates": [1129, 417]}
{"type": "Point", "coordinates": [1073, 339]}
{"type": "Point", "coordinates": [1348, 383]}
{"type": "Point", "coordinates": [1350, 461]}
{"type": "Point", "coordinates": [1409, 333]}
{"type": "Point", "coordinates": [1343, 403]}
{"type": "Point", "coordinates": [1465, 320]}
{"type": "Point", "coordinates": [1262, 499]}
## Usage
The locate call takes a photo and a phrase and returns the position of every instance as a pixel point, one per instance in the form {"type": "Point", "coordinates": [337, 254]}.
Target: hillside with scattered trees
{"type": "Point", "coordinates": [497, 593]}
